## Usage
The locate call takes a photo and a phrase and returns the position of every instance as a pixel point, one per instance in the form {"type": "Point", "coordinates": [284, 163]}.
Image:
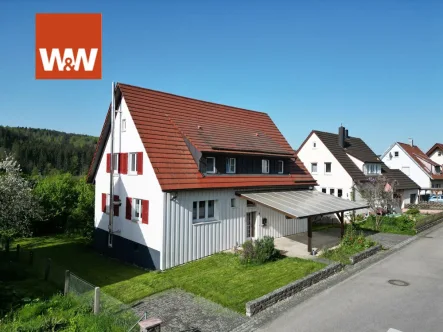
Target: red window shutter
{"type": "Point", "coordinates": [116, 207]}
{"type": "Point", "coordinates": [140, 163]}
{"type": "Point", "coordinates": [103, 202]}
{"type": "Point", "coordinates": [123, 163]}
{"type": "Point", "coordinates": [128, 208]}
{"type": "Point", "coordinates": [145, 211]}
{"type": "Point", "coordinates": [108, 163]}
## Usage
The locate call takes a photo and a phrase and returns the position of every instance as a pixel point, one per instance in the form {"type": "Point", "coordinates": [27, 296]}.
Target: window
{"type": "Point", "coordinates": [314, 145]}
{"type": "Point", "coordinates": [436, 185]}
{"type": "Point", "coordinates": [115, 158]}
{"type": "Point", "coordinates": [123, 124]}
{"type": "Point", "coordinates": [313, 167]}
{"type": "Point", "coordinates": [136, 209]}
{"type": "Point", "coordinates": [439, 153]}
{"type": "Point", "coordinates": [265, 166]}
{"type": "Point", "coordinates": [133, 163]}
{"type": "Point", "coordinates": [396, 154]}
{"type": "Point", "coordinates": [327, 167]}
{"type": "Point", "coordinates": [230, 165]}
{"type": "Point", "coordinates": [210, 165]}
{"type": "Point", "coordinates": [233, 203]}
{"type": "Point", "coordinates": [323, 190]}
{"type": "Point", "coordinates": [203, 210]}
{"type": "Point", "coordinates": [437, 169]}
{"type": "Point", "coordinates": [339, 193]}
{"type": "Point", "coordinates": [281, 166]}
{"type": "Point", "coordinates": [372, 168]}
{"type": "Point", "coordinates": [412, 198]}
{"type": "Point", "coordinates": [406, 170]}
{"type": "Point", "coordinates": [250, 204]}
{"type": "Point", "coordinates": [332, 191]}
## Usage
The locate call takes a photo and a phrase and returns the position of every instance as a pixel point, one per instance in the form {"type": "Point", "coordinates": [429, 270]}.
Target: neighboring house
{"type": "Point", "coordinates": [436, 153]}
{"type": "Point", "coordinates": [417, 165]}
{"type": "Point", "coordinates": [338, 161]}
{"type": "Point", "coordinates": [193, 178]}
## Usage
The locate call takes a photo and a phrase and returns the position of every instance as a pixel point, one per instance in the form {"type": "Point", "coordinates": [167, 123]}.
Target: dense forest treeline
{"type": "Point", "coordinates": [40, 151]}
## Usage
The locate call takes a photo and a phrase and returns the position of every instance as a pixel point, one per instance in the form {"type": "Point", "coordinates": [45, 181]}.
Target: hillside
{"type": "Point", "coordinates": [42, 150]}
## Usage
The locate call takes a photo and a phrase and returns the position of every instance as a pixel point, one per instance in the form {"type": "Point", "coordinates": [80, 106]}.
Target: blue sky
{"type": "Point", "coordinates": [375, 66]}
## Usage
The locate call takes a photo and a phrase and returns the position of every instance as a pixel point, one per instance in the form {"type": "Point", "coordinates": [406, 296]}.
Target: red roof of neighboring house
{"type": "Point", "coordinates": [434, 147]}
{"type": "Point", "coordinates": [421, 158]}
{"type": "Point", "coordinates": [165, 122]}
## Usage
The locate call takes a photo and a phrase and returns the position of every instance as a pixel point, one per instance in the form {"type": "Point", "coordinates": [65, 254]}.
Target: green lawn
{"type": "Point", "coordinates": [220, 277]}
{"type": "Point", "coordinates": [395, 225]}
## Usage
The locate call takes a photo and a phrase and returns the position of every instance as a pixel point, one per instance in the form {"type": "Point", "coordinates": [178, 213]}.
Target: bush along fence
{"type": "Point", "coordinates": [428, 222]}
{"type": "Point", "coordinates": [425, 206]}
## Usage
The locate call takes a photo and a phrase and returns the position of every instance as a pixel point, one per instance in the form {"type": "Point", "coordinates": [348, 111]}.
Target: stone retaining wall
{"type": "Point", "coordinates": [255, 306]}
{"type": "Point", "coordinates": [428, 225]}
{"type": "Point", "coordinates": [425, 206]}
{"type": "Point", "coordinates": [365, 254]}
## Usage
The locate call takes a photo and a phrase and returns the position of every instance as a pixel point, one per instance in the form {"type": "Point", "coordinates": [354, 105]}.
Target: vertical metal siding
{"type": "Point", "coordinates": [185, 241]}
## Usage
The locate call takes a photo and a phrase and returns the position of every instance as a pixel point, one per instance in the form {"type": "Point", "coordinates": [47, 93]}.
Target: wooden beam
{"type": "Point", "coordinates": [310, 234]}
{"type": "Point", "coordinates": [340, 216]}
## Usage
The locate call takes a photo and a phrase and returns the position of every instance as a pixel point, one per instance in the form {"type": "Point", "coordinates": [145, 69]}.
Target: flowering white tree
{"type": "Point", "coordinates": [18, 206]}
{"type": "Point", "coordinates": [379, 192]}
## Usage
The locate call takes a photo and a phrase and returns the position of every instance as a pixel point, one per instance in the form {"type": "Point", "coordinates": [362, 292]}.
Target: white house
{"type": "Point", "coordinates": [192, 178]}
{"type": "Point", "coordinates": [436, 153]}
{"type": "Point", "coordinates": [417, 165]}
{"type": "Point", "coordinates": [338, 161]}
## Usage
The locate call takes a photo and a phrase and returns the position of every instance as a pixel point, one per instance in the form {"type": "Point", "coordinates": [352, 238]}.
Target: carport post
{"type": "Point", "coordinates": [309, 234]}
{"type": "Point", "coordinates": [340, 216]}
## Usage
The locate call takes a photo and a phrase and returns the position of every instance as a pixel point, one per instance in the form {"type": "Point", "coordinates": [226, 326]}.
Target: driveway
{"type": "Point", "coordinates": [367, 301]}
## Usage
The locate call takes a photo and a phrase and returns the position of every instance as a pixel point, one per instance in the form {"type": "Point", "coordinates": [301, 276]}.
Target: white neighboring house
{"type": "Point", "coordinates": [436, 153]}
{"type": "Point", "coordinates": [193, 178]}
{"type": "Point", "coordinates": [338, 161]}
{"type": "Point", "coordinates": [417, 165]}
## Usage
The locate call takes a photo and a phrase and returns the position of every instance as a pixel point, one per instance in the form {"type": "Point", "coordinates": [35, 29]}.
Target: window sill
{"type": "Point", "coordinates": [136, 221]}
{"type": "Point", "coordinates": [132, 174]}
{"type": "Point", "coordinates": [205, 222]}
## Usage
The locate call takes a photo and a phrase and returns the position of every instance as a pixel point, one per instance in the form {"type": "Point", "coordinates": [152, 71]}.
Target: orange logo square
{"type": "Point", "coordinates": [68, 46]}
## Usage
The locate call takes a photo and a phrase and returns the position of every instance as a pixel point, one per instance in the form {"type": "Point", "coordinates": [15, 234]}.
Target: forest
{"type": "Point", "coordinates": [43, 151]}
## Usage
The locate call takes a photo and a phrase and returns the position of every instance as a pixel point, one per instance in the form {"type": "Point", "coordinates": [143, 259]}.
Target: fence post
{"type": "Point", "coordinates": [18, 252]}
{"type": "Point", "coordinates": [48, 268]}
{"type": "Point", "coordinates": [31, 257]}
{"type": "Point", "coordinates": [96, 300]}
{"type": "Point", "coordinates": [67, 279]}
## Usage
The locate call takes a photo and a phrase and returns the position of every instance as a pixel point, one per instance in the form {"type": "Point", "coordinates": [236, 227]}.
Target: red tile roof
{"type": "Point", "coordinates": [421, 159]}
{"type": "Point", "coordinates": [434, 147]}
{"type": "Point", "coordinates": [164, 121]}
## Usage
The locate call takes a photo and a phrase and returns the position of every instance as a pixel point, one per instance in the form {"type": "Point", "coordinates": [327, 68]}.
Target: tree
{"type": "Point", "coordinates": [379, 192]}
{"type": "Point", "coordinates": [18, 206]}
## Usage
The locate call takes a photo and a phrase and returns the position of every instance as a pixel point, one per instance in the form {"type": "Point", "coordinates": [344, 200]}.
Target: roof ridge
{"type": "Point", "coordinates": [194, 99]}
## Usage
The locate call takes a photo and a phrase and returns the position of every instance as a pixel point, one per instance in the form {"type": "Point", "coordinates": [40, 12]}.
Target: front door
{"type": "Point", "coordinates": [250, 225]}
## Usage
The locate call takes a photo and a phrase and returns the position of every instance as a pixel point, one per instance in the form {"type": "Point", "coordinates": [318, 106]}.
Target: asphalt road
{"type": "Point", "coordinates": [368, 302]}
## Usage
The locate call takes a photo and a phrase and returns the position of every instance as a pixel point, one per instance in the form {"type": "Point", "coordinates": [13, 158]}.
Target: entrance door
{"type": "Point", "coordinates": [250, 225]}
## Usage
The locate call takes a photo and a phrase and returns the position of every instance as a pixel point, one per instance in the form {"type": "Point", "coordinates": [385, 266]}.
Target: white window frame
{"type": "Point", "coordinates": [108, 204]}
{"type": "Point", "coordinates": [372, 169]}
{"type": "Point", "coordinates": [332, 191]}
{"type": "Point", "coordinates": [265, 166]}
{"type": "Point", "coordinates": [330, 171]}
{"type": "Point", "coordinates": [229, 169]}
{"type": "Point", "coordinates": [123, 125]}
{"type": "Point", "coordinates": [213, 168]}
{"type": "Point", "coordinates": [281, 167]}
{"type": "Point", "coordinates": [115, 161]}
{"type": "Point", "coordinates": [396, 154]}
{"type": "Point", "coordinates": [134, 218]}
{"type": "Point", "coordinates": [314, 145]}
{"type": "Point", "coordinates": [130, 163]}
{"type": "Point", "coordinates": [197, 219]}
{"type": "Point", "coordinates": [325, 190]}
{"type": "Point", "coordinates": [341, 192]}
{"type": "Point", "coordinates": [316, 165]}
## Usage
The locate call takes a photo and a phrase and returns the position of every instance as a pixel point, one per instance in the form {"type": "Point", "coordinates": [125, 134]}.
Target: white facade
{"type": "Point", "coordinates": [396, 158]}
{"type": "Point", "coordinates": [437, 156]}
{"type": "Point", "coordinates": [144, 187]}
{"type": "Point", "coordinates": [319, 154]}
{"type": "Point", "coordinates": [185, 240]}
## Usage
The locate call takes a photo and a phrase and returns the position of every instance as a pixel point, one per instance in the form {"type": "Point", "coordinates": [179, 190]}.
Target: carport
{"type": "Point", "coordinates": [308, 204]}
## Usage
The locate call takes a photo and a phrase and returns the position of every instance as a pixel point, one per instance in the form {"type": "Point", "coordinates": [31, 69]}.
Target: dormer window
{"type": "Point", "coordinates": [281, 166]}
{"type": "Point", "coordinates": [370, 169]}
{"type": "Point", "coordinates": [265, 166]}
{"type": "Point", "coordinates": [210, 165]}
{"type": "Point", "coordinates": [437, 169]}
{"type": "Point", "coordinates": [230, 165]}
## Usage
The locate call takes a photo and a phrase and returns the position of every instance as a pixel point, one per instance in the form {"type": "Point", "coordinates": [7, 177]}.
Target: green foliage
{"type": "Point", "coordinates": [65, 313]}
{"type": "Point", "coordinates": [413, 212]}
{"type": "Point", "coordinates": [40, 151]}
{"type": "Point", "coordinates": [404, 224]}
{"type": "Point", "coordinates": [259, 251]}
{"type": "Point", "coordinates": [352, 243]}
{"type": "Point", "coordinates": [428, 219]}
{"type": "Point", "coordinates": [81, 218]}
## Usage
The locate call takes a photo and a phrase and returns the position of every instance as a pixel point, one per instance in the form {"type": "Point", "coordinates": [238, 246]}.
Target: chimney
{"type": "Point", "coordinates": [346, 134]}
{"type": "Point", "coordinates": [341, 136]}
{"type": "Point", "coordinates": [411, 142]}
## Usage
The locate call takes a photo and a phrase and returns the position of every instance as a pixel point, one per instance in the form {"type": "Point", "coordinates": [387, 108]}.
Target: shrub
{"type": "Point", "coordinates": [413, 212]}
{"type": "Point", "coordinates": [259, 251]}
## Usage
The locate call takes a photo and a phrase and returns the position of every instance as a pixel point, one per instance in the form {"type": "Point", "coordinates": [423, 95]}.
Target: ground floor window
{"type": "Point", "coordinates": [412, 198]}
{"type": "Point", "coordinates": [203, 210]}
{"type": "Point", "coordinates": [339, 193]}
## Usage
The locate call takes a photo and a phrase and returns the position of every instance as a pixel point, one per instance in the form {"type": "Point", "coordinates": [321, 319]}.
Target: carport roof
{"type": "Point", "coordinates": [302, 203]}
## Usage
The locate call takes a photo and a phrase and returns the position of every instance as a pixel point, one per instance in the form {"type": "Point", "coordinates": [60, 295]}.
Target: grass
{"type": "Point", "coordinates": [321, 227]}
{"type": "Point", "coordinates": [352, 243]}
{"type": "Point", "coordinates": [220, 277]}
{"type": "Point", "coordinates": [395, 225]}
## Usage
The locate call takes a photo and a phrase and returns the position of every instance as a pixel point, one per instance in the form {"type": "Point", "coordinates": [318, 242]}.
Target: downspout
{"type": "Point", "coordinates": [111, 176]}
